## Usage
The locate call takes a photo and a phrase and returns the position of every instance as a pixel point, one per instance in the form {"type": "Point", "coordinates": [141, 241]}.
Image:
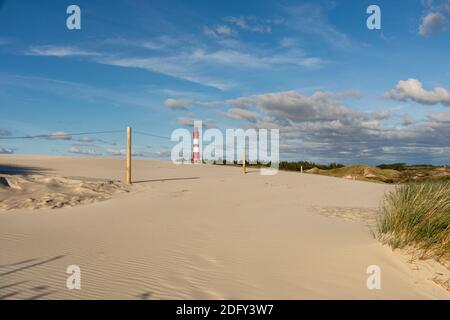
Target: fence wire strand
{"type": "Point", "coordinates": [55, 136]}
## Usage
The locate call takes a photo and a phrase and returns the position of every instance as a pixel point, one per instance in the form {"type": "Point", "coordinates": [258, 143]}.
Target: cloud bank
{"type": "Point", "coordinates": [412, 89]}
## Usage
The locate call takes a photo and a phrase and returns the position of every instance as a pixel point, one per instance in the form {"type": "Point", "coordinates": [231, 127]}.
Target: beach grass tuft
{"type": "Point", "coordinates": [418, 215]}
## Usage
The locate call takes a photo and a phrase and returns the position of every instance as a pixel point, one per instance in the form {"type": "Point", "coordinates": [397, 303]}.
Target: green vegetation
{"type": "Point", "coordinates": [386, 173]}
{"type": "Point", "coordinates": [296, 166]}
{"type": "Point", "coordinates": [393, 166]}
{"type": "Point", "coordinates": [361, 172]}
{"type": "Point", "coordinates": [425, 173]}
{"type": "Point", "coordinates": [235, 163]}
{"type": "Point", "coordinates": [418, 215]}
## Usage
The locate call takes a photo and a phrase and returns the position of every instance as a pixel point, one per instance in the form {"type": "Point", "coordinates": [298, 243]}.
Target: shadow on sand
{"type": "Point", "coordinates": [28, 266]}
{"type": "Point", "coordinates": [167, 179]}
{"type": "Point", "coordinates": [145, 295]}
{"type": "Point", "coordinates": [25, 289]}
{"type": "Point", "coordinates": [13, 169]}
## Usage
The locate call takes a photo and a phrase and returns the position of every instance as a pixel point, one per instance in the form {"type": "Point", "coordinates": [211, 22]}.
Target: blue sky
{"type": "Point", "coordinates": [337, 90]}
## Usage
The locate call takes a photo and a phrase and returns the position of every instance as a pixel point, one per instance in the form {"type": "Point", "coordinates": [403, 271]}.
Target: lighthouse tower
{"type": "Point", "coordinates": [195, 147]}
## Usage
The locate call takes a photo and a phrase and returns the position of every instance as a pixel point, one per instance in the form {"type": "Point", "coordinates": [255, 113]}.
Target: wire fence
{"type": "Point", "coordinates": [91, 143]}
{"type": "Point", "coordinates": [128, 151]}
{"type": "Point", "coordinates": [57, 135]}
{"type": "Point", "coordinates": [151, 135]}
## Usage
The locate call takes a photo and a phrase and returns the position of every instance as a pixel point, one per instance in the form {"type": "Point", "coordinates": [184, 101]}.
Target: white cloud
{"type": "Point", "coordinates": [189, 122]}
{"type": "Point", "coordinates": [209, 32]}
{"type": "Point", "coordinates": [381, 115]}
{"type": "Point", "coordinates": [289, 42]}
{"type": "Point", "coordinates": [188, 60]}
{"type": "Point", "coordinates": [251, 24]}
{"type": "Point", "coordinates": [58, 51]}
{"type": "Point", "coordinates": [160, 43]}
{"type": "Point", "coordinates": [6, 151]}
{"type": "Point", "coordinates": [240, 59]}
{"type": "Point", "coordinates": [407, 120]}
{"type": "Point", "coordinates": [311, 19]}
{"type": "Point", "coordinates": [411, 89]}
{"type": "Point", "coordinates": [59, 135]}
{"type": "Point", "coordinates": [181, 66]}
{"type": "Point", "coordinates": [117, 152]}
{"type": "Point", "coordinates": [223, 29]}
{"type": "Point", "coordinates": [227, 57]}
{"type": "Point", "coordinates": [296, 107]}
{"type": "Point", "coordinates": [86, 139]}
{"type": "Point", "coordinates": [240, 114]}
{"type": "Point", "coordinates": [123, 152]}
{"type": "Point", "coordinates": [160, 153]}
{"type": "Point", "coordinates": [432, 23]}
{"type": "Point", "coordinates": [85, 151]}
{"type": "Point", "coordinates": [240, 102]}
{"type": "Point", "coordinates": [195, 64]}
{"type": "Point", "coordinates": [4, 132]}
{"type": "Point", "coordinates": [320, 127]}
{"type": "Point", "coordinates": [177, 104]}
{"type": "Point", "coordinates": [440, 117]}
{"type": "Point", "coordinates": [220, 30]}
{"type": "Point", "coordinates": [436, 18]}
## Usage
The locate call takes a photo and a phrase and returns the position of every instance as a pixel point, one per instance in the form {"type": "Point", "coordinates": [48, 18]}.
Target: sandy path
{"type": "Point", "coordinates": [205, 232]}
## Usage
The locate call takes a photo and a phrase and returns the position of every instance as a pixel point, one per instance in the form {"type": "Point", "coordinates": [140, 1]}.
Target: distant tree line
{"type": "Point", "coordinates": [403, 166]}
{"type": "Point", "coordinates": [239, 163]}
{"type": "Point", "coordinates": [297, 165]}
{"type": "Point", "coordinates": [284, 165]}
{"type": "Point", "coordinates": [393, 166]}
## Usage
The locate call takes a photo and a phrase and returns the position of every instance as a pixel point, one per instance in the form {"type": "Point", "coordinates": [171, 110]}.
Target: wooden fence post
{"type": "Point", "coordinates": [128, 175]}
{"type": "Point", "coordinates": [243, 160]}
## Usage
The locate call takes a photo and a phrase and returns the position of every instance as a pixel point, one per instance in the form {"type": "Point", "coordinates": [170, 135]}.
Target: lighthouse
{"type": "Point", "coordinates": [195, 147]}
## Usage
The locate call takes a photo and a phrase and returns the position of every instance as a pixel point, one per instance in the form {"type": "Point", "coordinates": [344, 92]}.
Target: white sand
{"type": "Point", "coordinates": [36, 191]}
{"type": "Point", "coordinates": [205, 232]}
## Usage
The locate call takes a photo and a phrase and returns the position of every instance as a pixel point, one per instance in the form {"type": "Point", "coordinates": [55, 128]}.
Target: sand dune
{"type": "Point", "coordinates": [41, 191]}
{"type": "Point", "coordinates": [364, 172]}
{"type": "Point", "coordinates": [361, 172]}
{"type": "Point", "coordinates": [204, 232]}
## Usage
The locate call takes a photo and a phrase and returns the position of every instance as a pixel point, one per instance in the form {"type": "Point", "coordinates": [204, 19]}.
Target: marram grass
{"type": "Point", "coordinates": [418, 215]}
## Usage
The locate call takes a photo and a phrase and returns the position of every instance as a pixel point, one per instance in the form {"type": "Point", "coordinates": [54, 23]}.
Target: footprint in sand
{"type": "Point", "coordinates": [364, 215]}
{"type": "Point", "coordinates": [179, 193]}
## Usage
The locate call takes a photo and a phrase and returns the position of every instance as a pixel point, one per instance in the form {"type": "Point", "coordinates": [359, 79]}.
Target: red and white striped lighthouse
{"type": "Point", "coordinates": [195, 147]}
